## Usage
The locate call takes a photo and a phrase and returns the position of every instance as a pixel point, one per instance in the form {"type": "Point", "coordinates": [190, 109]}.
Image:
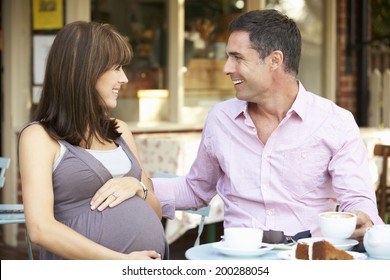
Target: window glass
{"type": "Point", "coordinates": [206, 35]}
{"type": "Point", "coordinates": [309, 16]}
{"type": "Point", "coordinates": [144, 24]}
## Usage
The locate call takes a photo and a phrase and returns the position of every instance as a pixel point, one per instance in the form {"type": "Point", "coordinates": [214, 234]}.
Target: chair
{"type": "Point", "coordinates": [383, 190]}
{"type": "Point", "coordinates": [203, 212]}
{"type": "Point", "coordinates": [4, 165]}
{"type": "Point", "coordinates": [12, 213]}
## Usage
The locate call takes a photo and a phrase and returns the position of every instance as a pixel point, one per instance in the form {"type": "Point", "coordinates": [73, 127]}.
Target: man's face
{"type": "Point", "coordinates": [250, 75]}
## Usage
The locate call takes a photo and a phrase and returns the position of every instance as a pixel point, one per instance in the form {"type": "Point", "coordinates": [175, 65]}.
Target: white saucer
{"type": "Point", "coordinates": [290, 255]}
{"type": "Point", "coordinates": [342, 244]}
{"type": "Point", "coordinates": [221, 247]}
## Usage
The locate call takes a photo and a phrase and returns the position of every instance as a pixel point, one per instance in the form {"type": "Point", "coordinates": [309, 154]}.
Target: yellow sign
{"type": "Point", "coordinates": [48, 14]}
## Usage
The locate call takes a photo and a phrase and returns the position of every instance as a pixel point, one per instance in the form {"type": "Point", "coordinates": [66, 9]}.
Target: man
{"type": "Point", "coordinates": [277, 154]}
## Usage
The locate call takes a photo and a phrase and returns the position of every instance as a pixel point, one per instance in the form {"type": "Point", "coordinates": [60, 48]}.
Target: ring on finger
{"type": "Point", "coordinates": [115, 195]}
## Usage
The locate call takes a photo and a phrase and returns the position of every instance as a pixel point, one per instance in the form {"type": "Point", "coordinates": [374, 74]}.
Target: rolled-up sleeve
{"type": "Point", "coordinates": [164, 190]}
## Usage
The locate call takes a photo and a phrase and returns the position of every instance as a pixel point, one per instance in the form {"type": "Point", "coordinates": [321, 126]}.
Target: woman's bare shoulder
{"type": "Point", "coordinates": [36, 133]}
{"type": "Point", "coordinates": [33, 130]}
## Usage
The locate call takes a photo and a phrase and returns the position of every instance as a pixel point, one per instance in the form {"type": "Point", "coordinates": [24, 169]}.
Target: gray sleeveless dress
{"type": "Point", "coordinates": [130, 226]}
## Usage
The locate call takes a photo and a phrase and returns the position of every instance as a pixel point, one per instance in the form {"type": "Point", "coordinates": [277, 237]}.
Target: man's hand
{"type": "Point", "coordinates": [362, 223]}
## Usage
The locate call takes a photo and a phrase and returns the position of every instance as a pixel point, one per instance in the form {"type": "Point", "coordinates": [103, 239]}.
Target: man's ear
{"type": "Point", "coordinates": [276, 59]}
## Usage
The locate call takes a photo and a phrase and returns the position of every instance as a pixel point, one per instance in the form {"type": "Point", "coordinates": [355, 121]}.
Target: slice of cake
{"type": "Point", "coordinates": [320, 250]}
{"type": "Point", "coordinates": [302, 251]}
{"type": "Point", "coordinates": [323, 250]}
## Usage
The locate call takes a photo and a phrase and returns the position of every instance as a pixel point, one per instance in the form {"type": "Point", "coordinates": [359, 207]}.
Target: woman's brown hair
{"type": "Point", "coordinates": [70, 107]}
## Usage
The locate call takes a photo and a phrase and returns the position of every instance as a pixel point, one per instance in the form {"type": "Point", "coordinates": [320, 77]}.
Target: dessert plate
{"type": "Point", "coordinates": [342, 244]}
{"type": "Point", "coordinates": [221, 247]}
{"type": "Point", "coordinates": [290, 255]}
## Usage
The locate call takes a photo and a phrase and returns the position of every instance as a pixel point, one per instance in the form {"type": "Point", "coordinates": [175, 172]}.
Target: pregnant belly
{"type": "Point", "coordinates": [127, 227]}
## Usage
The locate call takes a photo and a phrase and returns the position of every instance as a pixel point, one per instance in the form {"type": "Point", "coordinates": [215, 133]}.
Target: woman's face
{"type": "Point", "coordinates": [109, 84]}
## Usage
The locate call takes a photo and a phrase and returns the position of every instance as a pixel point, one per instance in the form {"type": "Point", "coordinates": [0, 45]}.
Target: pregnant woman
{"type": "Point", "coordinates": [85, 193]}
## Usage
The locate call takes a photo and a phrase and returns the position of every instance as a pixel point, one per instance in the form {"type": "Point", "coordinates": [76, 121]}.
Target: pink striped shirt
{"type": "Point", "coordinates": [314, 160]}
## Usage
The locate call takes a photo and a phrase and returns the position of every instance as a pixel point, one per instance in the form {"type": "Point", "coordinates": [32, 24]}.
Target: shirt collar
{"type": "Point", "coordinates": [300, 104]}
{"type": "Point", "coordinates": [242, 108]}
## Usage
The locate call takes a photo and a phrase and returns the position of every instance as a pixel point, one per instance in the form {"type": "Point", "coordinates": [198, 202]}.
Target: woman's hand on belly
{"type": "Point", "coordinates": [114, 192]}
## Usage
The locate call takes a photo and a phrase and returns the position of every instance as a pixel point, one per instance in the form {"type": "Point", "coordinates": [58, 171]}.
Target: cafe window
{"type": "Point", "coordinates": [144, 25]}
{"type": "Point", "coordinates": [309, 16]}
{"type": "Point", "coordinates": [206, 35]}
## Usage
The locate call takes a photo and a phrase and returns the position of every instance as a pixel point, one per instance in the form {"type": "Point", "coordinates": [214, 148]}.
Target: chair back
{"type": "Point", "coordinates": [203, 212]}
{"type": "Point", "coordinates": [4, 164]}
{"type": "Point", "coordinates": [13, 213]}
{"type": "Point", "coordinates": [383, 191]}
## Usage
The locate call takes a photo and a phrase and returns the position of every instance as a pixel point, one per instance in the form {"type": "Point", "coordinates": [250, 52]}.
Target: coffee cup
{"type": "Point", "coordinates": [338, 225]}
{"type": "Point", "coordinates": [243, 238]}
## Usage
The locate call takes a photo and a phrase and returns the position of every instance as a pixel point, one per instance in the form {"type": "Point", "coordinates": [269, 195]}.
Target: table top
{"type": "Point", "coordinates": [11, 214]}
{"type": "Point", "coordinates": [208, 252]}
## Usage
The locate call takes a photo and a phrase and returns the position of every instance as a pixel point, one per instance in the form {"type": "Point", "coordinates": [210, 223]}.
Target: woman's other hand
{"type": "Point", "coordinates": [144, 255]}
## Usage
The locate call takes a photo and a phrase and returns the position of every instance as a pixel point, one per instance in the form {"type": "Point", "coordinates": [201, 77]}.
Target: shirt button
{"type": "Point", "coordinates": [269, 212]}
